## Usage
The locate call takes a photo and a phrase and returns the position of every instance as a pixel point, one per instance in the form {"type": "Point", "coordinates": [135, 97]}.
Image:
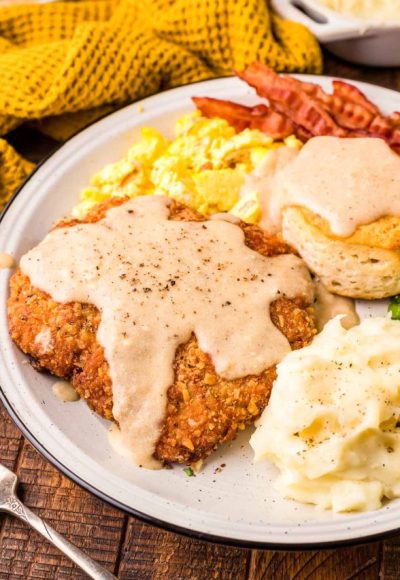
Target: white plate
{"type": "Point", "coordinates": [237, 505]}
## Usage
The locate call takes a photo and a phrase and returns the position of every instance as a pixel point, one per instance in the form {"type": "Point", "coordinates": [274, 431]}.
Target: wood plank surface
{"type": "Point", "coordinates": [391, 559]}
{"type": "Point", "coordinates": [153, 553]}
{"type": "Point", "coordinates": [130, 548]}
{"type": "Point", "coordinates": [88, 522]}
{"type": "Point", "coordinates": [360, 562]}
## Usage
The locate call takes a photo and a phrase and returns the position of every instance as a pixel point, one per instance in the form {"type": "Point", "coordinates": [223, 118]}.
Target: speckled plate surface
{"type": "Point", "coordinates": [234, 504]}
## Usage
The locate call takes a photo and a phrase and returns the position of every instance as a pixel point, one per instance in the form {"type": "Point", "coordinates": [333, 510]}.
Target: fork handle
{"type": "Point", "coordinates": [15, 507]}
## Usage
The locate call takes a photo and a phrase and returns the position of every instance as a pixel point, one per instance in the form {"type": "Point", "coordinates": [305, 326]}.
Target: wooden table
{"type": "Point", "coordinates": [132, 549]}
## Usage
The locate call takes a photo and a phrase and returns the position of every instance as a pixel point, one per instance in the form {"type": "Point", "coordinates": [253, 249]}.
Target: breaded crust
{"type": "Point", "coordinates": [203, 410]}
{"type": "Point", "coordinates": [365, 265]}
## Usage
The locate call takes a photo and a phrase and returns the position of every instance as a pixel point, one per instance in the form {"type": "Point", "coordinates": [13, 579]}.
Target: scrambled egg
{"type": "Point", "coordinates": [204, 167]}
{"type": "Point", "coordinates": [332, 424]}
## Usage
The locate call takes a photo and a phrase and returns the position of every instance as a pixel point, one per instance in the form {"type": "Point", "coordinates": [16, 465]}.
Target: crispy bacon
{"type": "Point", "coordinates": [350, 108]}
{"type": "Point", "coordinates": [381, 125]}
{"type": "Point", "coordinates": [349, 92]}
{"type": "Point", "coordinates": [286, 96]}
{"type": "Point", "coordinates": [395, 119]}
{"type": "Point", "coordinates": [347, 105]}
{"type": "Point", "coordinates": [305, 109]}
{"type": "Point", "coordinates": [241, 117]}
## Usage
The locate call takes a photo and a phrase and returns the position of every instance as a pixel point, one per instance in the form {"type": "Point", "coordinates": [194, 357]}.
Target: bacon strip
{"type": "Point", "coordinates": [241, 117]}
{"type": "Point", "coordinates": [305, 109]}
{"type": "Point", "coordinates": [286, 96]}
{"type": "Point", "coordinates": [349, 92]}
{"type": "Point", "coordinates": [395, 119]}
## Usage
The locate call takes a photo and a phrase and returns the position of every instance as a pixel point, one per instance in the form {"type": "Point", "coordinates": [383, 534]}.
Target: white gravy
{"type": "Point", "coordinates": [261, 179]}
{"type": "Point", "coordinates": [156, 281]}
{"type": "Point", "coordinates": [328, 305]}
{"type": "Point", "coordinates": [65, 392]}
{"type": "Point", "coordinates": [227, 217]}
{"type": "Point", "coordinates": [348, 182]}
{"type": "Point", "coordinates": [6, 261]}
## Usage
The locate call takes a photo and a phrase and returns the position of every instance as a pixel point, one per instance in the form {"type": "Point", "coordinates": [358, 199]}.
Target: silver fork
{"type": "Point", "coordinates": [10, 503]}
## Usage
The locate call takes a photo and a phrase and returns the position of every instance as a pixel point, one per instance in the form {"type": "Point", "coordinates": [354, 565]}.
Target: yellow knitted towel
{"type": "Point", "coordinates": [63, 64]}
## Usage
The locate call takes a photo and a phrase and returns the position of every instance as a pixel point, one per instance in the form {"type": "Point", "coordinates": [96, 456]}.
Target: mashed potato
{"type": "Point", "coordinates": [372, 10]}
{"type": "Point", "coordinates": [204, 167]}
{"type": "Point", "coordinates": [332, 425]}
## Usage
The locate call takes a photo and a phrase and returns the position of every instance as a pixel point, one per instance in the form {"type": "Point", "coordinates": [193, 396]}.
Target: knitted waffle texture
{"type": "Point", "coordinates": [64, 64]}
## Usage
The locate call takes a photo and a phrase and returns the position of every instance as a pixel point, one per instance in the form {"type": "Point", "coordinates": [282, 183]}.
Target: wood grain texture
{"type": "Point", "coordinates": [344, 564]}
{"type": "Point", "coordinates": [10, 440]}
{"type": "Point", "coordinates": [86, 521]}
{"type": "Point", "coordinates": [155, 554]}
{"type": "Point", "coordinates": [139, 551]}
{"type": "Point", "coordinates": [390, 569]}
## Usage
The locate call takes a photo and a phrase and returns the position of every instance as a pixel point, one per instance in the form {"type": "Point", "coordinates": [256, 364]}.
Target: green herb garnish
{"type": "Point", "coordinates": [394, 307]}
{"type": "Point", "coordinates": [189, 471]}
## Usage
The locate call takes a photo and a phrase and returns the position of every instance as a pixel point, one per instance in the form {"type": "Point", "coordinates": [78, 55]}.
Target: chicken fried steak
{"type": "Point", "coordinates": [203, 409]}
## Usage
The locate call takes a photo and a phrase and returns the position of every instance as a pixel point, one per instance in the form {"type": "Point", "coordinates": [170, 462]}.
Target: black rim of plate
{"type": "Point", "coordinates": [204, 536]}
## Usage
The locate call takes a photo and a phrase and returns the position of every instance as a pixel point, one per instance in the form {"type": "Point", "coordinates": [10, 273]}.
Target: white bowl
{"type": "Point", "coordinates": [353, 39]}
